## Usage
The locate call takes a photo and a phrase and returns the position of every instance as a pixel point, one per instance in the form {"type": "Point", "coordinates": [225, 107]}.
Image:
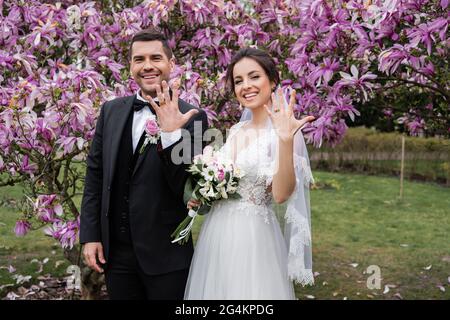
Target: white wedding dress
{"type": "Point", "coordinates": [241, 252]}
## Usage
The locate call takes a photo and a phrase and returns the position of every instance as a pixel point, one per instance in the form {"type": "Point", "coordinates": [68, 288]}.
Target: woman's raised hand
{"type": "Point", "coordinates": [283, 119]}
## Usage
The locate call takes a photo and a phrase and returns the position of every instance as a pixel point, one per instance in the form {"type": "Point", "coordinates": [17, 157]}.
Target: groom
{"type": "Point", "coordinates": [133, 200]}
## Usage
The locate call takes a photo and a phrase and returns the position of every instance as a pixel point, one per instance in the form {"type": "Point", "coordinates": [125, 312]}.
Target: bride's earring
{"type": "Point", "coordinates": [240, 107]}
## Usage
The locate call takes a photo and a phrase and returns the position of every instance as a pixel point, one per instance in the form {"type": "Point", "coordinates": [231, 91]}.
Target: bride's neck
{"type": "Point", "coordinates": [259, 117]}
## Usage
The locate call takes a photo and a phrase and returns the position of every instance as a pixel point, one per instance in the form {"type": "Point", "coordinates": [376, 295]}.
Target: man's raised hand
{"type": "Point", "coordinates": [169, 115]}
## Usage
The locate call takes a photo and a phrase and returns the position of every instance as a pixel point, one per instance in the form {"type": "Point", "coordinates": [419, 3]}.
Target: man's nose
{"type": "Point", "coordinates": [148, 64]}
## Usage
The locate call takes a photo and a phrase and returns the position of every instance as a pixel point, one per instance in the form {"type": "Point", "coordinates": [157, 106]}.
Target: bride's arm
{"type": "Point", "coordinates": [283, 182]}
{"type": "Point", "coordinates": [285, 124]}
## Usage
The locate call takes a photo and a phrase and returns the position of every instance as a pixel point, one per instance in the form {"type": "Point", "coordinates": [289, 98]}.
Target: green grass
{"type": "Point", "coordinates": [418, 170]}
{"type": "Point", "coordinates": [426, 159]}
{"type": "Point", "coordinates": [362, 221]}
{"type": "Point", "coordinates": [20, 251]}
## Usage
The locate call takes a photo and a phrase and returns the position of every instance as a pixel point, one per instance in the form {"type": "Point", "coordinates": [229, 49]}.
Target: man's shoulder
{"type": "Point", "coordinates": [118, 101]}
{"type": "Point", "coordinates": [186, 106]}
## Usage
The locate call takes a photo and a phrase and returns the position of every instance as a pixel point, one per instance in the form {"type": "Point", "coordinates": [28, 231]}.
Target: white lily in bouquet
{"type": "Point", "coordinates": [212, 177]}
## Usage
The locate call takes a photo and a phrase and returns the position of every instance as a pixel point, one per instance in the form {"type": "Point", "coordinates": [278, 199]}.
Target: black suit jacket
{"type": "Point", "coordinates": [156, 190]}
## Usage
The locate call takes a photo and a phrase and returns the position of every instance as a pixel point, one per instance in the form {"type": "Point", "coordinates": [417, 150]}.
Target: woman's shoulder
{"type": "Point", "coordinates": [238, 125]}
{"type": "Point", "coordinates": [235, 128]}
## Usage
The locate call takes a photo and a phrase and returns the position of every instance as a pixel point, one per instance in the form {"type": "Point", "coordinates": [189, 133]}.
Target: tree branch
{"type": "Point", "coordinates": [442, 92]}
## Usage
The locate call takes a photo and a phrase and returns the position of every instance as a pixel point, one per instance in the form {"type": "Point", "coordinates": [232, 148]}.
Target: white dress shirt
{"type": "Point", "coordinates": [139, 119]}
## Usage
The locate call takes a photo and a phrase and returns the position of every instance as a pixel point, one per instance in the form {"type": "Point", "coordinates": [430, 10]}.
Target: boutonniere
{"type": "Point", "coordinates": [152, 133]}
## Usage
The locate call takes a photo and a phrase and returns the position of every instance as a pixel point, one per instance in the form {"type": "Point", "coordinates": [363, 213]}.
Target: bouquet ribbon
{"type": "Point", "coordinates": [184, 232]}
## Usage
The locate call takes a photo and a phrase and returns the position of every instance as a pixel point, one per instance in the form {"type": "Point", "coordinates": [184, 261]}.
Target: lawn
{"type": "Point", "coordinates": [357, 222]}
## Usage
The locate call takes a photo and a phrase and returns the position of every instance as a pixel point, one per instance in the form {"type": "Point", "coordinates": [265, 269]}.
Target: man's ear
{"type": "Point", "coordinates": [129, 69]}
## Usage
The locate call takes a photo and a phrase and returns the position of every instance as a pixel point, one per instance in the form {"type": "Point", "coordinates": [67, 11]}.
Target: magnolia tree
{"type": "Point", "coordinates": [61, 60]}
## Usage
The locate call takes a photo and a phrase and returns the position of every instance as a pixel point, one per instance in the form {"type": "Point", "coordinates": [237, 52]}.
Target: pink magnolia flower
{"type": "Point", "coordinates": [388, 113]}
{"type": "Point", "coordinates": [47, 206]}
{"type": "Point", "coordinates": [390, 59]}
{"type": "Point", "coordinates": [27, 167]}
{"type": "Point", "coordinates": [324, 71]}
{"type": "Point", "coordinates": [22, 227]}
{"type": "Point", "coordinates": [69, 234]}
{"type": "Point", "coordinates": [360, 82]}
{"type": "Point", "coordinates": [66, 232]}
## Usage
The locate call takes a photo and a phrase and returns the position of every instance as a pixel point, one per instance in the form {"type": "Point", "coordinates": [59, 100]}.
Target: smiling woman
{"type": "Point", "coordinates": [241, 252]}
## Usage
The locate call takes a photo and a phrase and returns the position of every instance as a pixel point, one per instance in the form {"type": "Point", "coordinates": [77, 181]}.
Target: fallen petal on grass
{"type": "Point", "coordinates": [399, 296]}
{"type": "Point", "coordinates": [58, 263]}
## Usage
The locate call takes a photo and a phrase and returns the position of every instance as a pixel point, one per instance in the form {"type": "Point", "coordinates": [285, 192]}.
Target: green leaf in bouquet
{"type": "Point", "coordinates": [195, 192]}
{"type": "Point", "coordinates": [234, 196]}
{"type": "Point", "coordinates": [204, 209]}
{"type": "Point", "coordinates": [180, 227]}
{"type": "Point", "coordinates": [188, 191]}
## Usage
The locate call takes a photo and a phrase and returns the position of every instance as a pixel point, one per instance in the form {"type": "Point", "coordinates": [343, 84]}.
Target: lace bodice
{"type": "Point", "coordinates": [255, 162]}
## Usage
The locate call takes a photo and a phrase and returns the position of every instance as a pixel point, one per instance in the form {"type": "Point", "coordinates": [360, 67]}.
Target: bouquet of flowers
{"type": "Point", "coordinates": [213, 177]}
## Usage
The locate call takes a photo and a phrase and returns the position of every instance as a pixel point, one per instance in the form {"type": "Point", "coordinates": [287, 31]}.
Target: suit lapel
{"type": "Point", "coordinates": [120, 117]}
{"type": "Point", "coordinates": [140, 157]}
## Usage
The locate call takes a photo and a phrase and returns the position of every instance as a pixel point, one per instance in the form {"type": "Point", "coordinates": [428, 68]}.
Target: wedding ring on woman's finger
{"type": "Point", "coordinates": [276, 110]}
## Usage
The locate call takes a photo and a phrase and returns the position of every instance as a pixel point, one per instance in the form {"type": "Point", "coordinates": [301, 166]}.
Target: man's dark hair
{"type": "Point", "coordinates": [151, 35]}
{"type": "Point", "coordinates": [261, 57]}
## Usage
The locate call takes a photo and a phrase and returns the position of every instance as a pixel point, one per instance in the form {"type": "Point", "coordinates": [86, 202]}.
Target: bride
{"type": "Point", "coordinates": [240, 252]}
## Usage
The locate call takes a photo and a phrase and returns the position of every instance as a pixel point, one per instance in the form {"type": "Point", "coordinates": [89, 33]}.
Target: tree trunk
{"type": "Point", "coordinates": [91, 281]}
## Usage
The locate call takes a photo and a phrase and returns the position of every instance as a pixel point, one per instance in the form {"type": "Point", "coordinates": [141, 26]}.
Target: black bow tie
{"type": "Point", "coordinates": [139, 104]}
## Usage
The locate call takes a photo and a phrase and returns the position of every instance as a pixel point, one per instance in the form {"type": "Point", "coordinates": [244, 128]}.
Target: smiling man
{"type": "Point", "coordinates": [133, 194]}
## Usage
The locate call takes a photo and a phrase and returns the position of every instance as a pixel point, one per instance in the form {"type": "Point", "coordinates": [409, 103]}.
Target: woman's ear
{"type": "Point", "coordinates": [172, 64]}
{"type": "Point", "coordinates": [273, 86]}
